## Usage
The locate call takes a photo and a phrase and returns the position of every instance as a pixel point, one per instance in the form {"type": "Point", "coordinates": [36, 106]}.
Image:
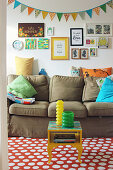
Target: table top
{"type": "Point", "coordinates": [53, 126]}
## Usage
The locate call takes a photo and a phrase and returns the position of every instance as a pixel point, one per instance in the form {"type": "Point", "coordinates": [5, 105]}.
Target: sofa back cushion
{"type": "Point", "coordinates": [91, 89]}
{"type": "Point", "coordinates": [39, 82]}
{"type": "Point", "coordinates": [66, 88]}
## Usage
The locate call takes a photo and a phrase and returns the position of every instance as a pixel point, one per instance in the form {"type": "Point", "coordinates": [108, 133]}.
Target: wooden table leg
{"type": "Point", "coordinates": [49, 149]}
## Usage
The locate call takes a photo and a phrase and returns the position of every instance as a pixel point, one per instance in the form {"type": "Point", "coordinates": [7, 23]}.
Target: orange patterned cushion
{"type": "Point", "coordinates": [104, 72]}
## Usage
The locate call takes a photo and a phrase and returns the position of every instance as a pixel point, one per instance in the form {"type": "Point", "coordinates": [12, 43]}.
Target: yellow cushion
{"type": "Point", "coordinates": [24, 66]}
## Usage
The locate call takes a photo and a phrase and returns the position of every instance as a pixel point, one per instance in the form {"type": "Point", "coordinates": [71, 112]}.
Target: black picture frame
{"type": "Point", "coordinates": [76, 36]}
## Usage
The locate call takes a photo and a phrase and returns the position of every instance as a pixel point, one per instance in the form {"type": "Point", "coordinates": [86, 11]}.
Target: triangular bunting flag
{"type": "Point", "coordinates": [82, 15]}
{"type": "Point", "coordinates": [51, 14]}
{"type": "Point", "coordinates": [97, 10]}
{"type": "Point", "coordinates": [66, 16]}
{"type": "Point", "coordinates": [44, 14]}
{"type": "Point", "coordinates": [10, 1]}
{"type": "Point", "coordinates": [89, 12]}
{"type": "Point", "coordinates": [16, 4]}
{"type": "Point", "coordinates": [37, 12]}
{"type": "Point", "coordinates": [59, 15]}
{"type": "Point", "coordinates": [74, 15]}
{"type": "Point", "coordinates": [103, 7]}
{"type": "Point", "coordinates": [110, 4]}
{"type": "Point", "coordinates": [23, 7]}
{"type": "Point", "coordinates": [30, 10]}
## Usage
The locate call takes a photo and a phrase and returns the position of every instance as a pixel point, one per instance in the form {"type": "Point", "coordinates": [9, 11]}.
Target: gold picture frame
{"type": "Point", "coordinates": [75, 53]}
{"type": "Point", "coordinates": [59, 48]}
{"type": "Point", "coordinates": [84, 53]}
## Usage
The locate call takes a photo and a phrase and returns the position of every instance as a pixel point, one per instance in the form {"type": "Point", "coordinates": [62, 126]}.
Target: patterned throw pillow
{"type": "Point", "coordinates": [20, 100]}
{"type": "Point", "coordinates": [104, 72]}
{"type": "Point", "coordinates": [76, 72]}
{"type": "Point", "coordinates": [100, 82]}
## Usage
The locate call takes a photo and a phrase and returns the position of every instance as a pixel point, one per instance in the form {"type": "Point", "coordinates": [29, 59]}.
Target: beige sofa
{"type": "Point", "coordinates": [79, 96]}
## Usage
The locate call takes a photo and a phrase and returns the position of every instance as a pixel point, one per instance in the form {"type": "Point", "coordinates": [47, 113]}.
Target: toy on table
{"type": "Point", "coordinates": [68, 119]}
{"type": "Point", "coordinates": [42, 72]}
{"type": "Point", "coordinates": [59, 111]}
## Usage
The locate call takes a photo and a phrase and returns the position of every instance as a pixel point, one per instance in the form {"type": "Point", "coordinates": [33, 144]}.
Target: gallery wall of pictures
{"type": "Point", "coordinates": [84, 43]}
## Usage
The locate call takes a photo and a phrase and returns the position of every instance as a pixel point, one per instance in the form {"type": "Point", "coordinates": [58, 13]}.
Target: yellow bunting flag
{"type": "Point", "coordinates": [10, 1]}
{"type": "Point", "coordinates": [66, 16]}
{"type": "Point", "coordinates": [74, 15]}
{"type": "Point", "coordinates": [44, 14]}
{"type": "Point", "coordinates": [37, 12]}
{"type": "Point", "coordinates": [52, 14]}
{"type": "Point", "coordinates": [30, 10]}
{"type": "Point", "coordinates": [97, 10]}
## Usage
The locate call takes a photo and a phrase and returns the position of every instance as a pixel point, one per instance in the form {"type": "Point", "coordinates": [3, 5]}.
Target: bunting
{"type": "Point", "coordinates": [37, 12]}
{"type": "Point", "coordinates": [44, 14]}
{"type": "Point", "coordinates": [74, 15]}
{"type": "Point", "coordinates": [103, 7]}
{"type": "Point", "coordinates": [52, 15]}
{"type": "Point", "coordinates": [97, 10]}
{"type": "Point", "coordinates": [23, 7]}
{"type": "Point", "coordinates": [66, 16]}
{"type": "Point", "coordinates": [59, 15]}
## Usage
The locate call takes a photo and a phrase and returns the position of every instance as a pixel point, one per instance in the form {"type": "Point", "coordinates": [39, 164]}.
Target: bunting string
{"type": "Point", "coordinates": [74, 15]}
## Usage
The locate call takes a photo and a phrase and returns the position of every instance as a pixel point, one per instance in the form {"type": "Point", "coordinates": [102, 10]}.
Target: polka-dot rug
{"type": "Point", "coordinates": [31, 153]}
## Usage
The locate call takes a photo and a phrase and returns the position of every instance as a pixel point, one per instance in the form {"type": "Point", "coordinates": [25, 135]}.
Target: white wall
{"type": "Point", "coordinates": [43, 57]}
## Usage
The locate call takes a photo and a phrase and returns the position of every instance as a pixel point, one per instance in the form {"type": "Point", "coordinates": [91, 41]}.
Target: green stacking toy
{"type": "Point", "coordinates": [67, 119]}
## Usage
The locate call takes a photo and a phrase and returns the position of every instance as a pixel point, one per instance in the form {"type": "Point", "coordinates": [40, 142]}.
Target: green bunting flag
{"type": "Point", "coordinates": [103, 7]}
{"type": "Point", "coordinates": [82, 15]}
{"type": "Point", "coordinates": [59, 15]}
{"type": "Point", "coordinates": [23, 7]}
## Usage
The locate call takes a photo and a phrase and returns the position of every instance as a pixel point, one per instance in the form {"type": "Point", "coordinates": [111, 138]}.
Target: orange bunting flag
{"type": "Point", "coordinates": [66, 16]}
{"type": "Point", "coordinates": [44, 14]}
{"type": "Point", "coordinates": [30, 10]}
{"type": "Point", "coordinates": [97, 10]}
{"type": "Point", "coordinates": [74, 15]}
{"type": "Point", "coordinates": [10, 1]}
{"type": "Point", "coordinates": [52, 14]}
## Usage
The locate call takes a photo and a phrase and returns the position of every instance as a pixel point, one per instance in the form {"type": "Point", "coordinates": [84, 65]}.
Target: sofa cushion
{"type": "Point", "coordinates": [39, 82]}
{"type": "Point", "coordinates": [66, 88]}
{"type": "Point", "coordinates": [99, 109]}
{"type": "Point", "coordinates": [39, 108]}
{"type": "Point", "coordinates": [77, 108]}
{"type": "Point", "coordinates": [91, 89]}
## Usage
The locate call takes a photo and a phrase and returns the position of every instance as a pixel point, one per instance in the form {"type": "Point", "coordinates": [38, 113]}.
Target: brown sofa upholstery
{"type": "Point", "coordinates": [79, 96]}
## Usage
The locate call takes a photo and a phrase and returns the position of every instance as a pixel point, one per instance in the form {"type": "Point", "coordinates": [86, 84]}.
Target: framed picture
{"type": "Point", "coordinates": [103, 42]}
{"type": "Point", "coordinates": [84, 53]}
{"type": "Point", "coordinates": [59, 48]}
{"type": "Point", "coordinates": [76, 36]}
{"type": "Point", "coordinates": [30, 43]}
{"type": "Point", "coordinates": [43, 43]}
{"type": "Point", "coordinates": [98, 29]}
{"type": "Point", "coordinates": [93, 52]}
{"type": "Point", "coordinates": [75, 53]}
{"type": "Point", "coordinates": [90, 42]}
{"type": "Point", "coordinates": [50, 31]}
{"type": "Point", "coordinates": [30, 29]}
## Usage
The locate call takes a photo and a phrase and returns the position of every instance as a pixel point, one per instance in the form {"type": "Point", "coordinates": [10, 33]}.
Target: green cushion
{"type": "Point", "coordinates": [20, 87]}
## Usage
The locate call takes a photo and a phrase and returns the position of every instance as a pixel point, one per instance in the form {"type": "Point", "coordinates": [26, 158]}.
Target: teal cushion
{"type": "Point", "coordinates": [20, 87]}
{"type": "Point", "coordinates": [106, 92]}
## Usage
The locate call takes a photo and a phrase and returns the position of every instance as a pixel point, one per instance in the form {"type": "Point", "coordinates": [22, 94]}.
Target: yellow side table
{"type": "Point", "coordinates": [54, 131]}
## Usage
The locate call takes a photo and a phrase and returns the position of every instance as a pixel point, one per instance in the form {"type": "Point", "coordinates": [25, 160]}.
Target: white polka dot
{"type": "Point", "coordinates": [26, 160]}
{"type": "Point", "coordinates": [87, 160]}
{"type": "Point", "coordinates": [106, 156]}
{"type": "Point", "coordinates": [29, 147]}
{"type": "Point", "coordinates": [41, 150]}
{"type": "Point", "coordinates": [15, 160]}
{"type": "Point", "coordinates": [25, 145]}
{"type": "Point", "coordinates": [63, 158]}
{"type": "Point", "coordinates": [95, 160]}
{"type": "Point", "coordinates": [56, 166]}
{"type": "Point", "coordinates": [65, 166]}
{"type": "Point", "coordinates": [58, 155]}
{"type": "Point", "coordinates": [54, 159]}
{"type": "Point", "coordinates": [46, 167]}
{"type": "Point", "coordinates": [27, 153]}
{"type": "Point", "coordinates": [68, 155]}
{"type": "Point", "coordinates": [91, 168]}
{"type": "Point", "coordinates": [100, 168]}
{"type": "Point", "coordinates": [81, 169]}
{"type": "Point", "coordinates": [90, 157]}
{"type": "Point", "coordinates": [21, 157]}
{"type": "Point", "coordinates": [11, 164]}
{"type": "Point", "coordinates": [16, 167]}
{"type": "Point", "coordinates": [98, 157]}
{"type": "Point", "coordinates": [31, 163]}
{"type": "Point", "coordinates": [104, 160]}
{"type": "Point", "coordinates": [74, 165]}
{"type": "Point", "coordinates": [63, 152]}
{"type": "Point", "coordinates": [40, 156]}
{"type": "Point", "coordinates": [71, 151]}
{"type": "Point", "coordinates": [60, 162]}
{"type": "Point", "coordinates": [69, 162]}
{"type": "Point", "coordinates": [44, 159]}
{"type": "Point", "coordinates": [34, 160]}
{"type": "Point", "coordinates": [40, 163]}
{"type": "Point", "coordinates": [26, 167]}
{"type": "Point", "coordinates": [17, 153]}
{"type": "Point", "coordinates": [36, 153]}
{"type": "Point", "coordinates": [72, 158]}
{"type": "Point", "coordinates": [92, 164]}
{"type": "Point", "coordinates": [35, 167]}
{"type": "Point", "coordinates": [44, 153]}
{"type": "Point", "coordinates": [58, 149]}
{"type": "Point", "coordinates": [108, 153]}
{"type": "Point", "coordinates": [68, 146]}
{"type": "Point", "coordinates": [110, 162]}
{"type": "Point", "coordinates": [23, 150]}
{"type": "Point", "coordinates": [30, 156]}
{"type": "Point", "coordinates": [12, 157]}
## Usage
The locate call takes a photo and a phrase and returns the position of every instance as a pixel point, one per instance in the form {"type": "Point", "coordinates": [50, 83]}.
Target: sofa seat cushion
{"type": "Point", "coordinates": [77, 108]}
{"type": "Point", "coordinates": [39, 108]}
{"type": "Point", "coordinates": [99, 108]}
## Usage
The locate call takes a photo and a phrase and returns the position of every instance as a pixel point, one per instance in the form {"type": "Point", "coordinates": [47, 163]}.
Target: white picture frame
{"type": "Point", "coordinates": [90, 42]}
{"type": "Point", "coordinates": [96, 29]}
{"type": "Point", "coordinates": [93, 52]}
{"type": "Point", "coordinates": [50, 31]}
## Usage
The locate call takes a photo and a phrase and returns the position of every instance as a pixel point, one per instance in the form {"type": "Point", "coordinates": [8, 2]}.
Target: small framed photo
{"type": "Point", "coordinates": [103, 42]}
{"type": "Point", "coordinates": [93, 52]}
{"type": "Point", "coordinates": [98, 29]}
{"type": "Point", "coordinates": [75, 53]}
{"type": "Point", "coordinates": [76, 36]}
{"type": "Point", "coordinates": [50, 31]}
{"type": "Point", "coordinates": [84, 53]}
{"type": "Point", "coordinates": [90, 29]}
{"type": "Point", "coordinates": [90, 42]}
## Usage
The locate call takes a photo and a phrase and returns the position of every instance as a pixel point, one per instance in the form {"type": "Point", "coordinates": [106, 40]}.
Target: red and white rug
{"type": "Point", "coordinates": [31, 153]}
